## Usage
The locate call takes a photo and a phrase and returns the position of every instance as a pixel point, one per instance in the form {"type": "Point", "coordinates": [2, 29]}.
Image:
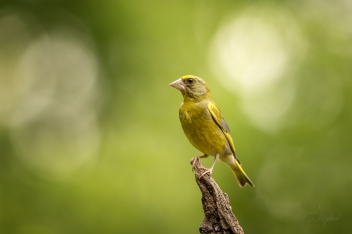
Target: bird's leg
{"type": "Point", "coordinates": [198, 157]}
{"type": "Point", "coordinates": [210, 170]}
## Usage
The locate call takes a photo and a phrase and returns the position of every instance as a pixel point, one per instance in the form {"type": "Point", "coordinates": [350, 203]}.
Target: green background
{"type": "Point", "coordinates": [90, 140]}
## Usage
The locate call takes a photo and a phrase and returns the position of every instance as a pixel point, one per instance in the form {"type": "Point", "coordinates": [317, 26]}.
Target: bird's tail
{"type": "Point", "coordinates": [241, 176]}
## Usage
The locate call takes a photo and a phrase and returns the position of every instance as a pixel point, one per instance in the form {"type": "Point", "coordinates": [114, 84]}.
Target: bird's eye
{"type": "Point", "coordinates": [190, 80]}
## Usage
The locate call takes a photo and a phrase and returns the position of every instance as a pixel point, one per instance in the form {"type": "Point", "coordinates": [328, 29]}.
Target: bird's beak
{"type": "Point", "coordinates": [178, 84]}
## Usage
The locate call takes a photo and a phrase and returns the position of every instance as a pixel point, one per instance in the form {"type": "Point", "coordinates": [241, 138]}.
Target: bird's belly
{"type": "Point", "coordinates": [206, 136]}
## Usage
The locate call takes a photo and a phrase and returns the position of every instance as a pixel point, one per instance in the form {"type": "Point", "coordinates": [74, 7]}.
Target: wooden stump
{"type": "Point", "coordinates": [218, 216]}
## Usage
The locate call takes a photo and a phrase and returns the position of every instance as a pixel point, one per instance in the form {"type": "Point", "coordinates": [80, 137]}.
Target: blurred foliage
{"type": "Point", "coordinates": [90, 140]}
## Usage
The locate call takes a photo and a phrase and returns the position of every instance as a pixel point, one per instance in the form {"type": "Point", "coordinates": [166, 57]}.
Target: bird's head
{"type": "Point", "coordinates": [192, 87]}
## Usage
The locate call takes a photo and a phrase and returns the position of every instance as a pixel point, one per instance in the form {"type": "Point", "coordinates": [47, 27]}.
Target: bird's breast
{"type": "Point", "coordinates": [201, 130]}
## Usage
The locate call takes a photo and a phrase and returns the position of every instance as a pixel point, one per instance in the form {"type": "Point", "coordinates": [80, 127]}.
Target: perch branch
{"type": "Point", "coordinates": [218, 216]}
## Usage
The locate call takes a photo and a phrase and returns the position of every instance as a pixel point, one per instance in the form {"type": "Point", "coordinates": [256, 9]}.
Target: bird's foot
{"type": "Point", "coordinates": [210, 171]}
{"type": "Point", "coordinates": [194, 159]}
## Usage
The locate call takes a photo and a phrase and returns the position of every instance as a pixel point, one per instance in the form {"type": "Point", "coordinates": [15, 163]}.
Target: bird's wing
{"type": "Point", "coordinates": [220, 121]}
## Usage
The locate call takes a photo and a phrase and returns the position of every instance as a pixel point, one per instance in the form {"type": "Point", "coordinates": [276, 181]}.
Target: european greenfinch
{"type": "Point", "coordinates": [205, 126]}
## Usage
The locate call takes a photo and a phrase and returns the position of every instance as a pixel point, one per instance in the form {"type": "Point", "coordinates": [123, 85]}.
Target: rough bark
{"type": "Point", "coordinates": [218, 216]}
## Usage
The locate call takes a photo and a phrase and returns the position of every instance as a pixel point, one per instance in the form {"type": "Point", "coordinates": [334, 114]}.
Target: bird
{"type": "Point", "coordinates": [205, 126]}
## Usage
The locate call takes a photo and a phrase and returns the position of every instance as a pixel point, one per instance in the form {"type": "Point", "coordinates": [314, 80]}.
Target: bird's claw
{"type": "Point", "coordinates": [197, 158]}
{"type": "Point", "coordinates": [210, 171]}
{"type": "Point", "coordinates": [194, 160]}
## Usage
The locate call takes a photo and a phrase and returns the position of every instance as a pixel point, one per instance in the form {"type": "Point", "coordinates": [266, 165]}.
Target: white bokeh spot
{"type": "Point", "coordinates": [252, 55]}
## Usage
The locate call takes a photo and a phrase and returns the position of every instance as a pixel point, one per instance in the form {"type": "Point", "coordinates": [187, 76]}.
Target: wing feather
{"type": "Point", "coordinates": [220, 121]}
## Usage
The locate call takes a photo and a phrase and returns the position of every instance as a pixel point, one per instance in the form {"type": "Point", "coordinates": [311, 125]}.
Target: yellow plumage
{"type": "Point", "coordinates": [205, 126]}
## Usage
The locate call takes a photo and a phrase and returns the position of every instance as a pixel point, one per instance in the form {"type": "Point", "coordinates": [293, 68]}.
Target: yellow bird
{"type": "Point", "coordinates": [205, 126]}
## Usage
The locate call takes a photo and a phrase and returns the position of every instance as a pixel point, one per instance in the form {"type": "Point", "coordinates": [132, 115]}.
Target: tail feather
{"type": "Point", "coordinates": [241, 176]}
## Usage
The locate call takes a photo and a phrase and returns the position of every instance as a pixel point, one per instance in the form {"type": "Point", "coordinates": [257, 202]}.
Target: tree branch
{"type": "Point", "coordinates": [218, 216]}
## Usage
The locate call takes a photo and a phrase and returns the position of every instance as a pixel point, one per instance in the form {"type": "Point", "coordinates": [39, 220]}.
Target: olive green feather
{"type": "Point", "coordinates": [205, 126]}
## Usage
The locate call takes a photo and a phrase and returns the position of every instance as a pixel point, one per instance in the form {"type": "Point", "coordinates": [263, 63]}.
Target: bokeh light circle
{"type": "Point", "coordinates": [53, 92]}
{"type": "Point", "coordinates": [252, 55]}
